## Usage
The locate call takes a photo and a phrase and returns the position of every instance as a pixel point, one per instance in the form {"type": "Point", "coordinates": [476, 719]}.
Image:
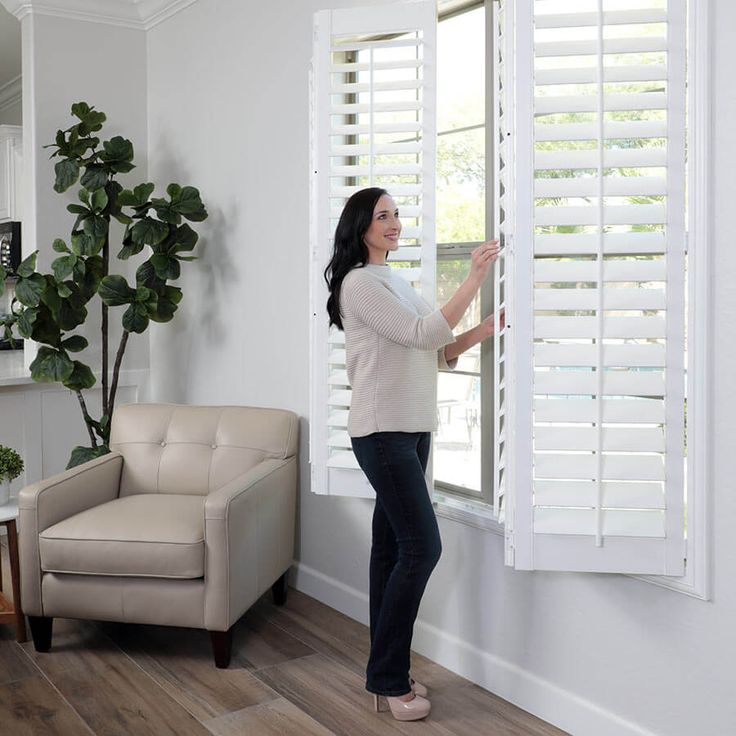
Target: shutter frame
{"type": "Point", "coordinates": [336, 472]}
{"type": "Point", "coordinates": [537, 539]}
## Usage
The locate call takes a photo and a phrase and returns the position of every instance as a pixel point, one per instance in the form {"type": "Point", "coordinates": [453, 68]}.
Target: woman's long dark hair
{"type": "Point", "coordinates": [349, 249]}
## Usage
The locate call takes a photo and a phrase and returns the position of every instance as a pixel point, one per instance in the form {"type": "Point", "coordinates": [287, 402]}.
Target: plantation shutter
{"type": "Point", "coordinates": [503, 291]}
{"type": "Point", "coordinates": [373, 124]}
{"type": "Point", "coordinates": [596, 365]}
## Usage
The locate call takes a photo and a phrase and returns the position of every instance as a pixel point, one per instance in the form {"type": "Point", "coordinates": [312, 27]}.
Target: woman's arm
{"type": "Point", "coordinates": [477, 334]}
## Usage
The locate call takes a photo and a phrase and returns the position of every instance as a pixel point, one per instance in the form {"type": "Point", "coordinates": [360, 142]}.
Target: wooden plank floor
{"type": "Point", "coordinates": [296, 670]}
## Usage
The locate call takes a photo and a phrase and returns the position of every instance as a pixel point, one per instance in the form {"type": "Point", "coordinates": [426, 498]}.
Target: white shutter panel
{"type": "Point", "coordinates": [503, 291]}
{"type": "Point", "coordinates": [373, 124]}
{"type": "Point", "coordinates": [598, 287]}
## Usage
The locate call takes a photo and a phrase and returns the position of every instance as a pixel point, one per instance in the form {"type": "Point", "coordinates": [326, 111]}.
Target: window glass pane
{"type": "Point", "coordinates": [457, 440]}
{"type": "Point", "coordinates": [461, 185]}
{"type": "Point", "coordinates": [461, 71]}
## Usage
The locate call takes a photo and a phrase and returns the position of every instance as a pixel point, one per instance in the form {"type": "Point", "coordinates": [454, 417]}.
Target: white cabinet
{"type": "Point", "coordinates": [11, 152]}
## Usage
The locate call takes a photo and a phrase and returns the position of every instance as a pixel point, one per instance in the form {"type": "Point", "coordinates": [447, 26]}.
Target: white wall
{"type": "Point", "coordinates": [12, 114]}
{"type": "Point", "coordinates": [67, 61]}
{"type": "Point", "coordinates": [228, 112]}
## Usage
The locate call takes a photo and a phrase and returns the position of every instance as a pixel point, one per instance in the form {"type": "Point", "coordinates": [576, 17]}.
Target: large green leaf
{"type": "Point", "coordinates": [90, 280]}
{"type": "Point", "coordinates": [117, 154]}
{"type": "Point", "coordinates": [95, 177]}
{"type": "Point", "coordinates": [186, 201]}
{"type": "Point", "coordinates": [138, 197]}
{"type": "Point", "coordinates": [51, 365]}
{"type": "Point", "coordinates": [28, 291]}
{"type": "Point", "coordinates": [99, 200]}
{"type": "Point", "coordinates": [135, 318]}
{"type": "Point", "coordinates": [166, 267]}
{"type": "Point", "coordinates": [149, 231]}
{"type": "Point", "coordinates": [60, 246]}
{"type": "Point", "coordinates": [64, 266]}
{"type": "Point", "coordinates": [114, 291]}
{"type": "Point", "coordinates": [67, 172]}
{"type": "Point", "coordinates": [91, 120]}
{"type": "Point", "coordinates": [81, 377]}
{"type": "Point", "coordinates": [168, 298]}
{"type": "Point", "coordinates": [165, 212]}
{"type": "Point", "coordinates": [28, 265]}
{"type": "Point", "coordinates": [96, 226]}
{"type": "Point", "coordinates": [84, 244]}
{"type": "Point", "coordinates": [82, 455]}
{"type": "Point", "coordinates": [185, 239]}
{"type": "Point", "coordinates": [146, 276]}
{"type": "Point", "coordinates": [75, 343]}
{"type": "Point", "coordinates": [25, 321]}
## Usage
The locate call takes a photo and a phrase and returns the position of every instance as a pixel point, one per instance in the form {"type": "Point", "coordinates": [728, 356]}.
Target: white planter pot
{"type": "Point", "coordinates": [4, 491]}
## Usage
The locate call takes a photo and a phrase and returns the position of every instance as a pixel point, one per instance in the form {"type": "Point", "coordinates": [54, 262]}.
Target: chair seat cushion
{"type": "Point", "coordinates": [146, 535]}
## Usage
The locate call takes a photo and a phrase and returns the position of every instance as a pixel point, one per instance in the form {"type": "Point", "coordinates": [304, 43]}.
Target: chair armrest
{"type": "Point", "coordinates": [249, 539]}
{"type": "Point", "coordinates": [49, 501]}
{"type": "Point", "coordinates": [56, 498]}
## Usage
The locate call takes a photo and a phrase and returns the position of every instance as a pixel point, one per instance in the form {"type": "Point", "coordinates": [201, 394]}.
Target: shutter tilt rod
{"type": "Point", "coordinates": [600, 323]}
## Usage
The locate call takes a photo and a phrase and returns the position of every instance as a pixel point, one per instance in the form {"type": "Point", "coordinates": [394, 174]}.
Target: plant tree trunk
{"type": "Point", "coordinates": [116, 371]}
{"type": "Point", "coordinates": [105, 269]}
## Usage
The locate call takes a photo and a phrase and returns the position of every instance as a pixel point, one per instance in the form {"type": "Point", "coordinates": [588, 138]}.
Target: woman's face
{"type": "Point", "coordinates": [384, 230]}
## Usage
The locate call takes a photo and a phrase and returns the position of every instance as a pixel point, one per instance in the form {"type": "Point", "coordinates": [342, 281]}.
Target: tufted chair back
{"type": "Point", "coordinates": [173, 448]}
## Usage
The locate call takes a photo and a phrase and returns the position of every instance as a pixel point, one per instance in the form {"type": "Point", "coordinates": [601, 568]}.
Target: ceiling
{"type": "Point", "coordinates": [10, 39]}
{"type": "Point", "coordinates": [9, 47]}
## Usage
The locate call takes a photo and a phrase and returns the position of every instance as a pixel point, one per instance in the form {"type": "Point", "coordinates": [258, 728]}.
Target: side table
{"type": "Point", "coordinates": [12, 613]}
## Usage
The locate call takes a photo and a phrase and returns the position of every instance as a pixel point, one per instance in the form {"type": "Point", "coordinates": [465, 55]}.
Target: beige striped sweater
{"type": "Point", "coordinates": [394, 343]}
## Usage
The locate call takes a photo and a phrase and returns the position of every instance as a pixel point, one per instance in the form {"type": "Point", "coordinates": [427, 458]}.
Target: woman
{"type": "Point", "coordinates": [394, 343]}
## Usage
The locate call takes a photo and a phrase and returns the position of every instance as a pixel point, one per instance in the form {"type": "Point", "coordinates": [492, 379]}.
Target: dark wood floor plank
{"type": "Point", "coordinates": [336, 697]}
{"type": "Point", "coordinates": [278, 717]}
{"type": "Point", "coordinates": [258, 642]}
{"type": "Point", "coordinates": [298, 670]}
{"type": "Point", "coordinates": [470, 709]}
{"type": "Point", "coordinates": [109, 691]}
{"type": "Point", "coordinates": [317, 634]}
{"type": "Point", "coordinates": [31, 707]}
{"type": "Point", "coordinates": [180, 661]}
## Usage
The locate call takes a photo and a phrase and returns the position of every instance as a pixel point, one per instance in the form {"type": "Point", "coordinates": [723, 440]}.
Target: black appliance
{"type": "Point", "coordinates": [10, 245]}
{"type": "Point", "coordinates": [10, 257]}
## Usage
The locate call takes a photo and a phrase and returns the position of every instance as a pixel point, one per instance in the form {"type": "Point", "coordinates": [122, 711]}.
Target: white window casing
{"type": "Point", "coordinates": [372, 124]}
{"type": "Point", "coordinates": [590, 368]}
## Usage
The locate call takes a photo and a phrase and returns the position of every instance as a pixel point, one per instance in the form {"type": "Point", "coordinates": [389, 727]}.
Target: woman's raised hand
{"type": "Point", "coordinates": [481, 259]}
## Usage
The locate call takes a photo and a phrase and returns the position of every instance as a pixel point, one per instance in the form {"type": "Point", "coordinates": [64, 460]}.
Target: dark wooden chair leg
{"type": "Point", "coordinates": [41, 628]}
{"type": "Point", "coordinates": [20, 619]}
{"type": "Point", "coordinates": [279, 589]}
{"type": "Point", "coordinates": [222, 642]}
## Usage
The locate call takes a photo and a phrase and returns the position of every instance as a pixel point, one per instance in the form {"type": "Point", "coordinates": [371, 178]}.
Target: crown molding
{"type": "Point", "coordinates": [138, 14]}
{"type": "Point", "coordinates": [10, 93]}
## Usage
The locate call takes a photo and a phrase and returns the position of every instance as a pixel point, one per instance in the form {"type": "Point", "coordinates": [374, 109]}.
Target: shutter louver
{"type": "Point", "coordinates": [372, 125]}
{"type": "Point", "coordinates": [598, 308]}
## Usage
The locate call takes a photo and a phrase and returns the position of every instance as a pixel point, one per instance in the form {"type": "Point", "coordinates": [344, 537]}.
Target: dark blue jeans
{"type": "Point", "coordinates": [405, 549]}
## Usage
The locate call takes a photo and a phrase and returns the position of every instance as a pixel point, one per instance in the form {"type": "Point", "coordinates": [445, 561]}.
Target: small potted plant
{"type": "Point", "coordinates": [11, 466]}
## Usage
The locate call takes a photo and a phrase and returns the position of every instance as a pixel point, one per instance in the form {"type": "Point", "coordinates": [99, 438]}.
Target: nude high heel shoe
{"type": "Point", "coordinates": [404, 710]}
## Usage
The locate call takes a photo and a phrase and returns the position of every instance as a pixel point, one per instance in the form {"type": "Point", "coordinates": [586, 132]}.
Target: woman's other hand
{"type": "Point", "coordinates": [481, 259]}
{"type": "Point", "coordinates": [487, 324]}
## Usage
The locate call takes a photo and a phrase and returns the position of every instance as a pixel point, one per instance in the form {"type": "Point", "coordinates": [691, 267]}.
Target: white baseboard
{"type": "Point", "coordinates": [561, 708]}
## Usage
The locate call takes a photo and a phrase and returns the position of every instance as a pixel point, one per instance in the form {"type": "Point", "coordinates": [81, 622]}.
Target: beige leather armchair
{"type": "Point", "coordinates": [187, 522]}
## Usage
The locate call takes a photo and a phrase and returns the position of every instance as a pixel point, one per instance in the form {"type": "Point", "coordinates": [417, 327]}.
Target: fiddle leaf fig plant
{"type": "Point", "coordinates": [48, 307]}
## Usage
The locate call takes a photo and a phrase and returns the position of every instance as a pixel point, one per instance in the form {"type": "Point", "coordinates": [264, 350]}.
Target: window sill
{"type": "Point", "coordinates": [472, 513]}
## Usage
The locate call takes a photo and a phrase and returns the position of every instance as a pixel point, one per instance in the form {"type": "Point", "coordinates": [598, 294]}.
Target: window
{"type": "Point", "coordinates": [562, 130]}
{"type": "Point", "coordinates": [461, 225]}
